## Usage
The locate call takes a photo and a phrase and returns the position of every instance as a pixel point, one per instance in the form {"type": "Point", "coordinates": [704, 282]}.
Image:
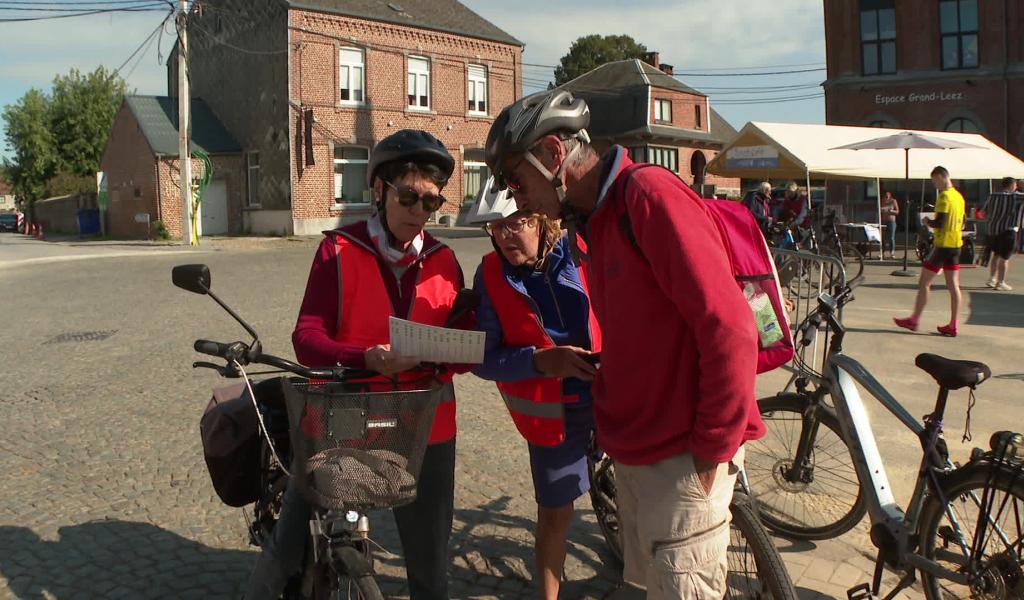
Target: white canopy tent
{"type": "Point", "coordinates": [797, 151]}
{"type": "Point", "coordinates": [805, 152]}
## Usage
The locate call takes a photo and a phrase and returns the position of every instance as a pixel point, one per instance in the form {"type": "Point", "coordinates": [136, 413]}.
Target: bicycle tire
{"type": "Point", "coordinates": [601, 474]}
{"type": "Point", "coordinates": [351, 568]}
{"type": "Point", "coordinates": [770, 574]}
{"type": "Point", "coordinates": [957, 487]}
{"type": "Point", "coordinates": [776, 495]}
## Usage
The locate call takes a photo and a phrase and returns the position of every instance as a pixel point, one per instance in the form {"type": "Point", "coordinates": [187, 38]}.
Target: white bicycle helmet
{"type": "Point", "coordinates": [491, 205]}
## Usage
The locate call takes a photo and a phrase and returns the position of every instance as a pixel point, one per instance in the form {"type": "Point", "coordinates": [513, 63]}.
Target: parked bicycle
{"type": "Point", "coordinates": [352, 446]}
{"type": "Point", "coordinates": [755, 567]}
{"type": "Point", "coordinates": [819, 470]}
{"type": "Point", "coordinates": [832, 244]}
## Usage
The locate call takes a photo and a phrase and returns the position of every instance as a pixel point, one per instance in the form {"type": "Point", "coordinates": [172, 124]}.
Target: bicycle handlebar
{"type": "Point", "coordinates": [242, 353]}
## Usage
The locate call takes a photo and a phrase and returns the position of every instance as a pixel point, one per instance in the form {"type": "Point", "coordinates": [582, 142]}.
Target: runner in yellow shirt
{"type": "Point", "coordinates": [945, 255]}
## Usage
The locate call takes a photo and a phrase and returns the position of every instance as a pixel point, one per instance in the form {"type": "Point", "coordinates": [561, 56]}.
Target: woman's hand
{"type": "Point", "coordinates": [563, 362]}
{"type": "Point", "coordinates": [387, 362]}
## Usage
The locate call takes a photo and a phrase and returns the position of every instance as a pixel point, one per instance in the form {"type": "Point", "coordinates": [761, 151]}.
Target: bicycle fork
{"type": "Point", "coordinates": [802, 469]}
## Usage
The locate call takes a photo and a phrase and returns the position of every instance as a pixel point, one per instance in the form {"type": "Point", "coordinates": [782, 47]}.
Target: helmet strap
{"type": "Point", "coordinates": [556, 179]}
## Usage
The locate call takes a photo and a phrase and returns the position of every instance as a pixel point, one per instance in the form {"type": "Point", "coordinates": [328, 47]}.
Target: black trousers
{"type": "Point", "coordinates": [425, 526]}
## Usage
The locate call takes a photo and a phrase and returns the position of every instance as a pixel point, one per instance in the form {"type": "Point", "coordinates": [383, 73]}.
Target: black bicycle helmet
{"type": "Point", "coordinates": [524, 122]}
{"type": "Point", "coordinates": [410, 145]}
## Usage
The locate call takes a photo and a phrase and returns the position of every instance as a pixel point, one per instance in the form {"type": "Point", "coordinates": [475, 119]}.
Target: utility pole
{"type": "Point", "coordinates": [184, 118]}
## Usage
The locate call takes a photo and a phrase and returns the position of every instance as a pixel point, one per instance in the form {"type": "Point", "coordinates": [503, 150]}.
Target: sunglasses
{"type": "Point", "coordinates": [408, 197]}
{"type": "Point", "coordinates": [510, 227]}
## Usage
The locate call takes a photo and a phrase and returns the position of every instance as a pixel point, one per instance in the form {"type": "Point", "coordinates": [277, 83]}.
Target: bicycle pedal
{"type": "Point", "coordinates": [860, 592]}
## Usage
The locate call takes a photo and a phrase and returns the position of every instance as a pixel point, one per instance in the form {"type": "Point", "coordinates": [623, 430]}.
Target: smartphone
{"type": "Point", "coordinates": [594, 359]}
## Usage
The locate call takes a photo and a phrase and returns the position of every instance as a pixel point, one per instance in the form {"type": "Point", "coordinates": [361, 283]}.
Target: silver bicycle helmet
{"type": "Point", "coordinates": [521, 124]}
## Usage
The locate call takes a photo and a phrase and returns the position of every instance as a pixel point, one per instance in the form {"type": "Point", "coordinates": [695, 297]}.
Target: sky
{"type": "Point", "coordinates": [706, 40]}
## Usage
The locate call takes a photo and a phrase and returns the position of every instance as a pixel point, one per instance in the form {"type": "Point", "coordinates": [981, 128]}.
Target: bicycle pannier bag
{"type": "Point", "coordinates": [231, 445]}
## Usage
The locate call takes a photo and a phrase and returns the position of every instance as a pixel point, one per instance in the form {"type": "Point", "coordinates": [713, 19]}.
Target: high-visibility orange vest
{"type": "Point", "coordinates": [537, 405]}
{"type": "Point", "coordinates": [366, 307]}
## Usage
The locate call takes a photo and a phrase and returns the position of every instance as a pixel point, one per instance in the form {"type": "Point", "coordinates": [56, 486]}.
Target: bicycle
{"type": "Point", "coordinates": [930, 536]}
{"type": "Point", "coordinates": [831, 244]}
{"type": "Point", "coordinates": [353, 447]}
{"type": "Point", "coordinates": [755, 567]}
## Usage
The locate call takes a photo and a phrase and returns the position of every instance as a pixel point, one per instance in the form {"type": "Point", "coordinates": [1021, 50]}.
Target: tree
{"type": "Point", "coordinates": [83, 110]}
{"type": "Point", "coordinates": [29, 135]}
{"type": "Point", "coordinates": [592, 51]}
{"type": "Point", "coordinates": [58, 140]}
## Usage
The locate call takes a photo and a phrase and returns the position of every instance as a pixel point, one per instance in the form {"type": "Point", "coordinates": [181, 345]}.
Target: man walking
{"type": "Point", "coordinates": [945, 255]}
{"type": "Point", "coordinates": [674, 396]}
{"type": "Point", "coordinates": [1004, 212]}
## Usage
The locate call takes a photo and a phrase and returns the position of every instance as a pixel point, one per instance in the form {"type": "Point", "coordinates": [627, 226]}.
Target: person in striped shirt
{"type": "Point", "coordinates": [1004, 212]}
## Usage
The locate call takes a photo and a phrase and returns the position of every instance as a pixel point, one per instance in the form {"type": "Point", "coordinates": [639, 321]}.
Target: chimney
{"type": "Point", "coordinates": [652, 58]}
{"type": "Point", "coordinates": [666, 69]}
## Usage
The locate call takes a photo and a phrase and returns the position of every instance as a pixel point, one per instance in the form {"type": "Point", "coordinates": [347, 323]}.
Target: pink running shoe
{"type": "Point", "coordinates": [947, 330]}
{"type": "Point", "coordinates": [908, 323]}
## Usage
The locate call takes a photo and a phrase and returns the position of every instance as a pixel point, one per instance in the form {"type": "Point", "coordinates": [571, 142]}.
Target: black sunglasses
{"type": "Point", "coordinates": [408, 197]}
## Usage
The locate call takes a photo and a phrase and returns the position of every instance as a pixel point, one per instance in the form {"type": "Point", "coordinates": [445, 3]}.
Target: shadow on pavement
{"type": "Point", "coordinates": [1017, 376]}
{"type": "Point", "coordinates": [118, 559]}
{"type": "Point", "coordinates": [898, 286]}
{"type": "Point", "coordinates": [998, 309]}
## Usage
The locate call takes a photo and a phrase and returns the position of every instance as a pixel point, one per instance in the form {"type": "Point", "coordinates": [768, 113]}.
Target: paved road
{"type": "Point", "coordinates": [103, 493]}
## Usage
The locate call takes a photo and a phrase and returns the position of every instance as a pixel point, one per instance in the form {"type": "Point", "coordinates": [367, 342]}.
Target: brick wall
{"type": "Point", "coordinates": [316, 40]}
{"type": "Point", "coordinates": [130, 166]}
{"type": "Point", "coordinates": [683, 108]}
{"type": "Point", "coordinates": [228, 168]}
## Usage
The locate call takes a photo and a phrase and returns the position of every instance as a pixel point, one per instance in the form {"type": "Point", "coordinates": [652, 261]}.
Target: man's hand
{"type": "Point", "coordinates": [386, 362]}
{"type": "Point", "coordinates": [563, 362]}
{"type": "Point", "coordinates": [706, 471]}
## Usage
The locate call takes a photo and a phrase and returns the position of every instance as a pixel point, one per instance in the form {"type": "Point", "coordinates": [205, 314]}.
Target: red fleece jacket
{"type": "Point", "coordinates": [679, 357]}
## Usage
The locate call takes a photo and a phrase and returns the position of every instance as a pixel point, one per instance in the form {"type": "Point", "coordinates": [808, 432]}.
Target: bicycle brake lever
{"type": "Point", "coordinates": [223, 371]}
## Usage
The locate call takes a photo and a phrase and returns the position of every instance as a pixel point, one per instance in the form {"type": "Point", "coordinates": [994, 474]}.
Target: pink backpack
{"type": "Point", "coordinates": [752, 267]}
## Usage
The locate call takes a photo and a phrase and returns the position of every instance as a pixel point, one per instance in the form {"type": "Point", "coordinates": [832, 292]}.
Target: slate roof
{"type": "Point", "coordinates": [158, 120]}
{"type": "Point", "coordinates": [449, 16]}
{"type": "Point", "coordinates": [617, 95]}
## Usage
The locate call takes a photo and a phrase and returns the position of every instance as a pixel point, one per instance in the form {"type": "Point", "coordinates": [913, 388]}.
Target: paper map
{"type": "Point", "coordinates": [436, 344]}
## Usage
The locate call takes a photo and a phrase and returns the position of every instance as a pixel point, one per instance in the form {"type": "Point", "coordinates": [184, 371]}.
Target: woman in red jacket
{"type": "Point", "coordinates": [363, 274]}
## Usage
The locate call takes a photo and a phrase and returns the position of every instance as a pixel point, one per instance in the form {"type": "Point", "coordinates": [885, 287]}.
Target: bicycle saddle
{"type": "Point", "coordinates": [953, 374]}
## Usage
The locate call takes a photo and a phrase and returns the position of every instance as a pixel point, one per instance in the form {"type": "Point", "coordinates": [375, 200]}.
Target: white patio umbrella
{"type": "Point", "coordinates": [906, 141]}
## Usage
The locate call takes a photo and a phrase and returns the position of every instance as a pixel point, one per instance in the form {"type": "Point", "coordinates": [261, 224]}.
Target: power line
{"type": "Point", "coordinates": [74, 2]}
{"type": "Point", "coordinates": [711, 69]}
{"type": "Point", "coordinates": [138, 5]}
{"type": "Point", "coordinates": [215, 39]}
{"type": "Point", "coordinates": [769, 101]}
{"type": "Point", "coordinates": [816, 70]}
{"type": "Point", "coordinates": [79, 14]}
{"type": "Point", "coordinates": [146, 42]}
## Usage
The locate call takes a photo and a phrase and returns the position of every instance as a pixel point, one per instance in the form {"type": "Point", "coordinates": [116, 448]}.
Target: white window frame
{"type": "Point", "coordinates": [659, 110]}
{"type": "Point", "coordinates": [420, 77]}
{"type": "Point", "coordinates": [656, 152]}
{"type": "Point", "coordinates": [476, 85]}
{"type": "Point", "coordinates": [473, 164]}
{"type": "Point", "coordinates": [346, 76]}
{"type": "Point", "coordinates": [252, 172]}
{"type": "Point", "coordinates": [346, 161]}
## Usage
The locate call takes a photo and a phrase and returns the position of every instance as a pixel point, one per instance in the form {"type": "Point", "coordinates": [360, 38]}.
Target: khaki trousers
{"type": "Point", "coordinates": [674, 534]}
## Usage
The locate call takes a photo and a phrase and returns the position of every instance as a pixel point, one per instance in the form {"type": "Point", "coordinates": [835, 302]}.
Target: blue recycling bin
{"type": "Point", "coordinates": [88, 221]}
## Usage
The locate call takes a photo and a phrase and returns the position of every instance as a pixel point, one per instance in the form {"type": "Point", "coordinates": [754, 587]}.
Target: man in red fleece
{"type": "Point", "coordinates": [674, 397]}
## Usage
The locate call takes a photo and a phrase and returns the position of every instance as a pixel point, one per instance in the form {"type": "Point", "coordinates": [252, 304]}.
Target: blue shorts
{"type": "Point", "coordinates": [560, 472]}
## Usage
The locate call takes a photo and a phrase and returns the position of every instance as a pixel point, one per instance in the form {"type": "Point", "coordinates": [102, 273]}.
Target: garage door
{"type": "Point", "coordinates": [214, 209]}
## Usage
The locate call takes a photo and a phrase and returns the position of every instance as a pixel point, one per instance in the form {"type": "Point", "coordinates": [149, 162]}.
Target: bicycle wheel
{"type": "Point", "coordinates": [601, 470]}
{"type": "Point", "coordinates": [944, 526]}
{"type": "Point", "coordinates": [852, 259]}
{"type": "Point", "coordinates": [756, 569]}
{"type": "Point", "coordinates": [821, 501]}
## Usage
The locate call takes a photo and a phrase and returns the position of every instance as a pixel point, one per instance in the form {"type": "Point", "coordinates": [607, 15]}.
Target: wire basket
{"type": "Point", "coordinates": [356, 447]}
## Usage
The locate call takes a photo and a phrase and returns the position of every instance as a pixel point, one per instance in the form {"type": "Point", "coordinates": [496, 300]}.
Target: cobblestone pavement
{"type": "Point", "coordinates": [103, 490]}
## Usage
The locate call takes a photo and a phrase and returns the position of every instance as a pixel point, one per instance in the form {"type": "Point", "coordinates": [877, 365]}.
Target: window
{"type": "Point", "coordinates": [252, 160]}
{"type": "Point", "coordinates": [961, 125]}
{"type": "Point", "coordinates": [958, 26]}
{"type": "Point", "coordinates": [663, 111]}
{"type": "Point", "coordinates": [878, 36]}
{"type": "Point", "coordinates": [697, 116]}
{"type": "Point", "coordinates": [351, 75]}
{"type": "Point", "coordinates": [666, 157]}
{"type": "Point", "coordinates": [419, 83]}
{"type": "Point", "coordinates": [350, 175]}
{"type": "Point", "coordinates": [477, 89]}
{"type": "Point", "coordinates": [637, 153]}
{"type": "Point", "coordinates": [474, 174]}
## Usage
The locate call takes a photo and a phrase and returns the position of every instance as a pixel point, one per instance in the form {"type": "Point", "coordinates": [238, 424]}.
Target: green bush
{"type": "Point", "coordinates": [161, 230]}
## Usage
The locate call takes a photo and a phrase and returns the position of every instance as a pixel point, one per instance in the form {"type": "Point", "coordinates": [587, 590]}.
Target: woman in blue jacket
{"type": "Point", "coordinates": [542, 344]}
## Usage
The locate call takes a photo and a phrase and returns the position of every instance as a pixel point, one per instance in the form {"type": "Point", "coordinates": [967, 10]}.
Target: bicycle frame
{"type": "Point", "coordinates": [844, 373]}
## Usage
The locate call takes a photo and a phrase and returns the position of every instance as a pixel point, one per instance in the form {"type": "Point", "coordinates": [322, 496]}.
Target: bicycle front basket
{"type": "Point", "coordinates": [359, 449]}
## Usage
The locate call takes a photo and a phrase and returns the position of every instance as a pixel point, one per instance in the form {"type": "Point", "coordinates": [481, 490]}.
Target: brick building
{"type": "Point", "coordinates": [642, 106]}
{"type": "Point", "coordinates": [307, 88]}
{"type": "Point", "coordinates": [6, 197]}
{"type": "Point", "coordinates": [140, 163]}
{"type": "Point", "coordinates": [942, 65]}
